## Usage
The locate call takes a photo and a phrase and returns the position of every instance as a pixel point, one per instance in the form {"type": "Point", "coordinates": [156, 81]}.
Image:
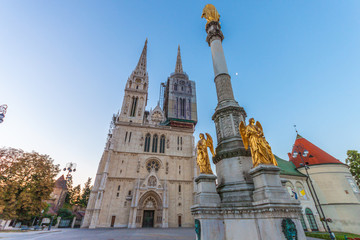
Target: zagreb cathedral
{"type": "Point", "coordinates": [146, 173]}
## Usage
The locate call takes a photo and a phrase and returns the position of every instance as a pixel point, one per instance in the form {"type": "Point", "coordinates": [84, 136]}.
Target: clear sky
{"type": "Point", "coordinates": [64, 64]}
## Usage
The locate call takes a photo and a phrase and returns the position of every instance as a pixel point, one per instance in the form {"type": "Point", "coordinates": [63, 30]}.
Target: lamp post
{"type": "Point", "coordinates": [70, 167]}
{"type": "Point", "coordinates": [302, 154]}
{"type": "Point", "coordinates": [3, 109]}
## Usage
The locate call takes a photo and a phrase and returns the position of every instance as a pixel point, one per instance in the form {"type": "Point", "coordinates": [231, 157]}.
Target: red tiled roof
{"type": "Point", "coordinates": [61, 182]}
{"type": "Point", "coordinates": [315, 156]}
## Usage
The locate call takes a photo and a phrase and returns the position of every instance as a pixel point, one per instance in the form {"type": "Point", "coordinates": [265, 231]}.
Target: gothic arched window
{"type": "Point", "coordinates": [147, 143]}
{"type": "Point", "coordinates": [155, 141]}
{"type": "Point", "coordinates": [311, 220]}
{"type": "Point", "coordinates": [133, 106]}
{"type": "Point", "coordinates": [175, 87]}
{"type": "Point", "coordinates": [162, 144]}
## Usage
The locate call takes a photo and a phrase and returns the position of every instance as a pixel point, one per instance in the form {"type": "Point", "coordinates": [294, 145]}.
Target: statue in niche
{"type": "Point", "coordinates": [253, 136]}
{"type": "Point", "coordinates": [152, 181]}
{"type": "Point", "coordinates": [210, 13]}
{"type": "Point", "coordinates": [202, 159]}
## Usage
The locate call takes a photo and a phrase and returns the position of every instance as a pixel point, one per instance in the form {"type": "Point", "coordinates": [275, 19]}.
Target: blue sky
{"type": "Point", "coordinates": [64, 64]}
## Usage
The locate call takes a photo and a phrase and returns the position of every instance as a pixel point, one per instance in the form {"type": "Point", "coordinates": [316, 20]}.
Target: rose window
{"type": "Point", "coordinates": [153, 164]}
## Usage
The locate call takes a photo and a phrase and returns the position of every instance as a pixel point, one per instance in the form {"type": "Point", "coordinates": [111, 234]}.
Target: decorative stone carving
{"type": "Point", "coordinates": [152, 181]}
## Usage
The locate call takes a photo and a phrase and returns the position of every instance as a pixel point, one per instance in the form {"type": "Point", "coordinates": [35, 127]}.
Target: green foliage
{"type": "Point", "coordinates": [325, 235]}
{"type": "Point", "coordinates": [65, 213]}
{"type": "Point", "coordinates": [86, 193]}
{"type": "Point", "coordinates": [353, 160]}
{"type": "Point", "coordinates": [27, 179]}
{"type": "Point", "coordinates": [76, 196]}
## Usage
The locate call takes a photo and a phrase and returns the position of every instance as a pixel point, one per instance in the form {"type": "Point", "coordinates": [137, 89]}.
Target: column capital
{"type": "Point", "coordinates": [213, 29]}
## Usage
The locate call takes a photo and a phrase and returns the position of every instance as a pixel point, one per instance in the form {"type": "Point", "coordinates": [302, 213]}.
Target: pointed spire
{"type": "Point", "coordinates": [178, 67]}
{"type": "Point", "coordinates": [141, 66]}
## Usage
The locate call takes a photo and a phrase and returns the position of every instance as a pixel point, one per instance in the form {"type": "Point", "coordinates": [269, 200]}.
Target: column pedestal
{"type": "Point", "coordinates": [206, 208]}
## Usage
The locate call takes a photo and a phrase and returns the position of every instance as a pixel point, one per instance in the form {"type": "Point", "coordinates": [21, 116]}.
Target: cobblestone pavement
{"type": "Point", "coordinates": [107, 234]}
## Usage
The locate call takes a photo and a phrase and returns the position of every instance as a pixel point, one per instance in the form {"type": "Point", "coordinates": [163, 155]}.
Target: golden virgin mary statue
{"type": "Point", "coordinates": [253, 136]}
{"type": "Point", "coordinates": [202, 158]}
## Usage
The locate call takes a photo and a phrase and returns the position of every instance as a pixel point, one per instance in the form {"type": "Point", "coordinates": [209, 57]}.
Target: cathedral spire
{"type": "Point", "coordinates": [141, 66]}
{"type": "Point", "coordinates": [178, 67]}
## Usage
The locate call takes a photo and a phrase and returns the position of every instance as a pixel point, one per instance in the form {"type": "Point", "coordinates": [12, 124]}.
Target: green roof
{"type": "Point", "coordinates": [288, 168]}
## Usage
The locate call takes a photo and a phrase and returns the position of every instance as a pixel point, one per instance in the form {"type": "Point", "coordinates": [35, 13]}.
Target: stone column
{"type": "Point", "coordinates": [232, 160]}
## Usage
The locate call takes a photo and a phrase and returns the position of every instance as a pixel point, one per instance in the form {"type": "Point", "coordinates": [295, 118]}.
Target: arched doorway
{"type": "Point", "coordinates": [311, 220]}
{"type": "Point", "coordinates": [150, 210]}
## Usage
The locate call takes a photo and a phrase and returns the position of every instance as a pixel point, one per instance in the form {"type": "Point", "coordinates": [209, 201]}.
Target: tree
{"type": "Point", "coordinates": [76, 195]}
{"type": "Point", "coordinates": [86, 193]}
{"type": "Point", "coordinates": [26, 180]}
{"type": "Point", "coordinates": [353, 160]}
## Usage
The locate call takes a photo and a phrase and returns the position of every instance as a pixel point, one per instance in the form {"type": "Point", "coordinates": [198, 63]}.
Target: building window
{"type": "Point", "coordinates": [311, 220]}
{"type": "Point", "coordinates": [179, 143]}
{"type": "Point", "coordinates": [303, 222]}
{"type": "Point", "coordinates": [129, 136]}
{"type": "Point", "coordinates": [175, 87]}
{"type": "Point", "coordinates": [182, 107]}
{"type": "Point", "coordinates": [129, 193]}
{"type": "Point", "coordinates": [155, 141]}
{"type": "Point", "coordinates": [117, 195]}
{"type": "Point", "coordinates": [119, 188]}
{"type": "Point", "coordinates": [162, 144]}
{"type": "Point", "coordinates": [147, 143]}
{"type": "Point", "coordinates": [99, 196]}
{"type": "Point", "coordinates": [126, 136]}
{"type": "Point", "coordinates": [153, 164]}
{"type": "Point", "coordinates": [179, 188]}
{"type": "Point", "coordinates": [133, 106]}
{"type": "Point", "coordinates": [179, 169]}
{"type": "Point", "coordinates": [179, 221]}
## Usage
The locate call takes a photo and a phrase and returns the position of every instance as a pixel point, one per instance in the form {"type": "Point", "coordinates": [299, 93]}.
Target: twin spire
{"type": "Point", "coordinates": [141, 66]}
{"type": "Point", "coordinates": [178, 66]}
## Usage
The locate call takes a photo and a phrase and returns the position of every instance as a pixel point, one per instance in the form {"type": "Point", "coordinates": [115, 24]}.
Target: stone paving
{"type": "Point", "coordinates": [106, 234]}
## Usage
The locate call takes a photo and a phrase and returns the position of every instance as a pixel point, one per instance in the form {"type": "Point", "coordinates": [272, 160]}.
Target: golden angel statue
{"type": "Point", "coordinates": [202, 159]}
{"type": "Point", "coordinates": [210, 13]}
{"type": "Point", "coordinates": [253, 136]}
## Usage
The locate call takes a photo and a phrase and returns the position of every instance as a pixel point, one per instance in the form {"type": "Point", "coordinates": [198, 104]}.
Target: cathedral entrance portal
{"type": "Point", "coordinates": [148, 218]}
{"type": "Point", "coordinates": [149, 210]}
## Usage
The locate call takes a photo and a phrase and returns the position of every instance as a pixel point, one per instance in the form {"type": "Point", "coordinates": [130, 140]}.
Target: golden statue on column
{"type": "Point", "coordinates": [202, 158]}
{"type": "Point", "coordinates": [253, 136]}
{"type": "Point", "coordinates": [210, 13]}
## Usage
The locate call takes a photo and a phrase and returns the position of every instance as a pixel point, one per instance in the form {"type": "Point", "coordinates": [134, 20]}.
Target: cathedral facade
{"type": "Point", "coordinates": [145, 176]}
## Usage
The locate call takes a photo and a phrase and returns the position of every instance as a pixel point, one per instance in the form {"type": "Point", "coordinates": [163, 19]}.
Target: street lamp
{"type": "Point", "coordinates": [302, 154]}
{"type": "Point", "coordinates": [3, 109]}
{"type": "Point", "coordinates": [70, 167]}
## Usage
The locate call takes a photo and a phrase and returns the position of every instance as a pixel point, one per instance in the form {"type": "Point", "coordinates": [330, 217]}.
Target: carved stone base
{"type": "Point", "coordinates": [262, 218]}
{"type": "Point", "coordinates": [234, 183]}
{"type": "Point", "coordinates": [268, 187]}
{"type": "Point", "coordinates": [206, 191]}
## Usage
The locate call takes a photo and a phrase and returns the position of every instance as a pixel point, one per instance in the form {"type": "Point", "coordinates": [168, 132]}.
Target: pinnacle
{"type": "Point", "coordinates": [178, 66]}
{"type": "Point", "coordinates": [141, 66]}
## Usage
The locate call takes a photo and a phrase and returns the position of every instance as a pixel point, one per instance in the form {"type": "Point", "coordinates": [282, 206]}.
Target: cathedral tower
{"type": "Point", "coordinates": [180, 98]}
{"type": "Point", "coordinates": [136, 91]}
